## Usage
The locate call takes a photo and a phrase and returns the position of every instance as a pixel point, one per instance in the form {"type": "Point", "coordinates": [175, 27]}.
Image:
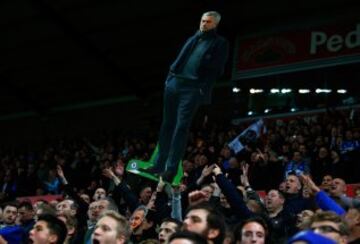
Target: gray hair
{"type": "Point", "coordinates": [214, 14]}
{"type": "Point", "coordinates": [143, 208]}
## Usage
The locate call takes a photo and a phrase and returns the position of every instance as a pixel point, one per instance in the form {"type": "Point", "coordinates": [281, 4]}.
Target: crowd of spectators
{"type": "Point", "coordinates": [303, 163]}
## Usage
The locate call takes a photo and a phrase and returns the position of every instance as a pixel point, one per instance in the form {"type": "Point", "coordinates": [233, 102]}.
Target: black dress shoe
{"type": "Point", "coordinates": [168, 176]}
{"type": "Point", "coordinates": [153, 171]}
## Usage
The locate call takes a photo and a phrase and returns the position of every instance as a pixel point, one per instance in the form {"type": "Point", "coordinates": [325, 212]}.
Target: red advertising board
{"type": "Point", "coordinates": [296, 50]}
{"type": "Point", "coordinates": [34, 199]}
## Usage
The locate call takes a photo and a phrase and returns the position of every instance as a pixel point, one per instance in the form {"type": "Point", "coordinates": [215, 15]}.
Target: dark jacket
{"type": "Point", "coordinates": [212, 62]}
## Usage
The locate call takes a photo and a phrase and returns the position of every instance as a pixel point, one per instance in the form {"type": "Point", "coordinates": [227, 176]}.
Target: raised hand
{"type": "Point", "coordinates": [309, 183]}
{"type": "Point", "coordinates": [196, 197]}
{"type": "Point", "coordinates": [244, 179]}
{"type": "Point", "coordinates": [61, 174]}
{"type": "Point", "coordinates": [108, 173]}
{"type": "Point", "coordinates": [205, 173]}
{"type": "Point", "coordinates": [161, 185]}
{"type": "Point", "coordinates": [60, 171]}
{"type": "Point", "coordinates": [207, 170]}
{"type": "Point", "coordinates": [216, 170]}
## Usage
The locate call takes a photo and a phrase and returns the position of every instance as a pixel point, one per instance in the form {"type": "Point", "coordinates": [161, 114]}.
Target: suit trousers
{"type": "Point", "coordinates": [182, 99]}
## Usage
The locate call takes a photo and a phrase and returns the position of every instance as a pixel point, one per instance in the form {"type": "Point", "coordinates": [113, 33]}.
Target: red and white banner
{"type": "Point", "coordinates": [296, 50]}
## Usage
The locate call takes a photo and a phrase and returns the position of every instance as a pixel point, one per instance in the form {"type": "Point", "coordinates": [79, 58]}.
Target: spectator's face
{"type": "Point", "coordinates": [196, 221]}
{"type": "Point", "coordinates": [328, 229]}
{"type": "Point", "coordinates": [334, 155]}
{"type": "Point", "coordinates": [40, 234]}
{"type": "Point", "coordinates": [203, 160]}
{"type": "Point", "coordinates": [64, 208]}
{"type": "Point", "coordinates": [348, 135]}
{"type": "Point", "coordinates": [319, 141]}
{"type": "Point", "coordinates": [273, 200]}
{"type": "Point", "coordinates": [188, 166]}
{"type": "Point", "coordinates": [292, 184]}
{"type": "Point", "coordinates": [282, 186]}
{"type": "Point", "coordinates": [306, 192]}
{"type": "Point", "coordinates": [137, 219]}
{"type": "Point", "coordinates": [25, 214]}
{"type": "Point", "coordinates": [338, 187]}
{"type": "Point", "coordinates": [86, 198]}
{"type": "Point", "coordinates": [93, 212]}
{"type": "Point", "coordinates": [302, 149]}
{"type": "Point", "coordinates": [9, 215]}
{"type": "Point", "coordinates": [327, 180]}
{"type": "Point", "coordinates": [323, 153]}
{"type": "Point", "coordinates": [223, 201]}
{"type": "Point", "coordinates": [106, 232]}
{"type": "Point", "coordinates": [54, 203]}
{"type": "Point", "coordinates": [357, 193]}
{"type": "Point", "coordinates": [303, 218]}
{"type": "Point", "coordinates": [100, 193]}
{"type": "Point", "coordinates": [233, 163]}
{"type": "Point", "coordinates": [166, 230]}
{"type": "Point", "coordinates": [145, 195]}
{"type": "Point", "coordinates": [102, 206]}
{"type": "Point", "coordinates": [253, 233]}
{"type": "Point", "coordinates": [285, 148]}
{"type": "Point", "coordinates": [297, 157]}
{"type": "Point", "coordinates": [226, 152]}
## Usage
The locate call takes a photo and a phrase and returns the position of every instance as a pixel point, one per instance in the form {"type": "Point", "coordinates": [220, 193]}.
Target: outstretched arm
{"type": "Point", "coordinates": [232, 195]}
{"type": "Point", "coordinates": [322, 199]}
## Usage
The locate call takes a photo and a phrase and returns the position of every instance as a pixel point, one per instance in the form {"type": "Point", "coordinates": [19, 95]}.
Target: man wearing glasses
{"type": "Point", "coordinates": [330, 225]}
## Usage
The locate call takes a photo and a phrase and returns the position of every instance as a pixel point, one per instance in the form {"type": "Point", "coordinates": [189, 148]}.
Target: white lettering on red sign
{"type": "Point", "coordinates": [334, 43]}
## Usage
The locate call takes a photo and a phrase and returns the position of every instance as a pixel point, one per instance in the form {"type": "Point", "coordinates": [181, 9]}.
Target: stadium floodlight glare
{"type": "Point", "coordinates": [304, 91]}
{"type": "Point", "coordinates": [250, 113]}
{"type": "Point", "coordinates": [274, 90]}
{"type": "Point", "coordinates": [236, 89]}
{"type": "Point", "coordinates": [341, 91]}
{"type": "Point", "coordinates": [267, 110]}
{"type": "Point", "coordinates": [286, 90]}
{"type": "Point", "coordinates": [253, 90]}
{"type": "Point", "coordinates": [319, 90]}
{"type": "Point", "coordinates": [293, 109]}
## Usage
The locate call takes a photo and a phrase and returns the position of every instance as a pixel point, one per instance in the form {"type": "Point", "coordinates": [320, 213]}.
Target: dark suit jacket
{"type": "Point", "coordinates": [212, 62]}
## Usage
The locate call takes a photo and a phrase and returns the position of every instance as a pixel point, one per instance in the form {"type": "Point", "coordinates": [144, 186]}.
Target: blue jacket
{"type": "Point", "coordinates": [327, 204]}
{"type": "Point", "coordinates": [212, 62]}
{"type": "Point", "coordinates": [12, 234]}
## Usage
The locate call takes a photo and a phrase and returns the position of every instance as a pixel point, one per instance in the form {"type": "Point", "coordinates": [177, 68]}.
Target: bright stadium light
{"type": "Point", "coordinates": [293, 109]}
{"type": "Point", "coordinates": [341, 91]}
{"type": "Point", "coordinates": [304, 91]}
{"type": "Point", "coordinates": [253, 90]}
{"type": "Point", "coordinates": [274, 90]}
{"type": "Point", "coordinates": [236, 89]}
{"type": "Point", "coordinates": [267, 110]}
{"type": "Point", "coordinates": [250, 113]}
{"type": "Point", "coordinates": [285, 90]}
{"type": "Point", "coordinates": [319, 90]}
